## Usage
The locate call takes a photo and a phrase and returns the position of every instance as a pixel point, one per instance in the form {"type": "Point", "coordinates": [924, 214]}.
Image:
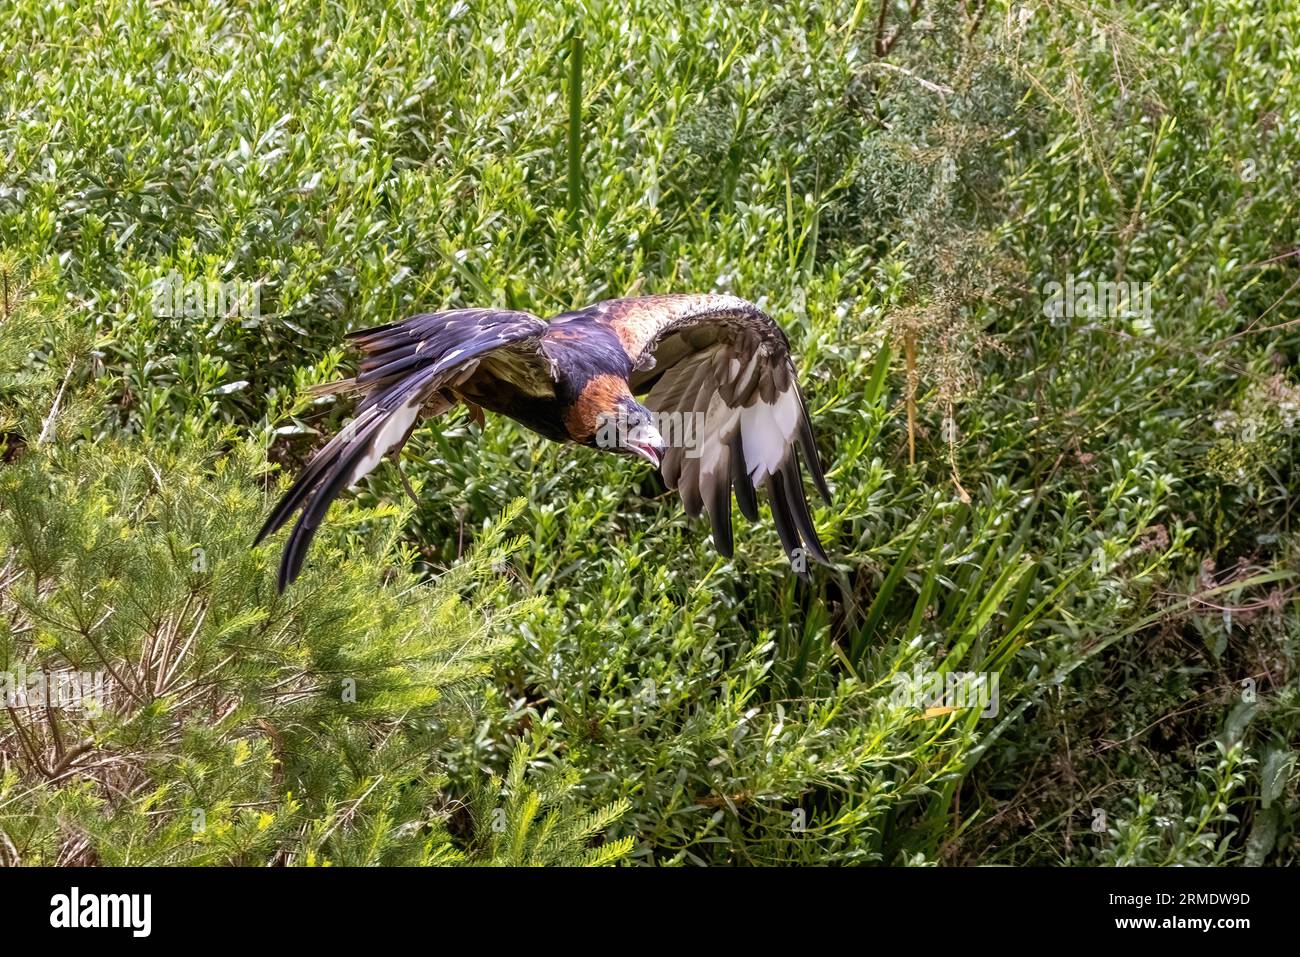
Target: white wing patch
{"type": "Point", "coordinates": [766, 430]}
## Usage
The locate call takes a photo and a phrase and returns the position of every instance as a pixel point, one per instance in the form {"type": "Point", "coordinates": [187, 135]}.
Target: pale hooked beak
{"type": "Point", "coordinates": [646, 442]}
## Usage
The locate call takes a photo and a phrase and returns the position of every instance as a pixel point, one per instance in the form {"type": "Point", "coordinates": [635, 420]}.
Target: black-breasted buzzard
{"type": "Point", "coordinates": [714, 372]}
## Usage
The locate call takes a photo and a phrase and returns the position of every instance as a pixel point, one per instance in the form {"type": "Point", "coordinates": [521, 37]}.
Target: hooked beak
{"type": "Point", "coordinates": [650, 453]}
{"type": "Point", "coordinates": [648, 444]}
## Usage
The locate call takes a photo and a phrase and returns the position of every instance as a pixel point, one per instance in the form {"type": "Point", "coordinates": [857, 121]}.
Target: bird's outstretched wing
{"type": "Point", "coordinates": [409, 369]}
{"type": "Point", "coordinates": [723, 366]}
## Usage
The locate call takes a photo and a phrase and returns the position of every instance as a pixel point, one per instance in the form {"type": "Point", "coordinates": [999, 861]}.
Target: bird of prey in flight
{"type": "Point", "coordinates": [717, 363]}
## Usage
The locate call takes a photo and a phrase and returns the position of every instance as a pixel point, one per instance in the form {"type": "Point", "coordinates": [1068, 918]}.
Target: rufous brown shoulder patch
{"type": "Point", "coordinates": [600, 395]}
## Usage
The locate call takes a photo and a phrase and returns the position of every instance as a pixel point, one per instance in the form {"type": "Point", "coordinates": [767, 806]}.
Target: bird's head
{"type": "Point", "coordinates": [629, 429]}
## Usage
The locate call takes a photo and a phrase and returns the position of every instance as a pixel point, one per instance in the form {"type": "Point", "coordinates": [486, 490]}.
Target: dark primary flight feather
{"type": "Point", "coordinates": [716, 365]}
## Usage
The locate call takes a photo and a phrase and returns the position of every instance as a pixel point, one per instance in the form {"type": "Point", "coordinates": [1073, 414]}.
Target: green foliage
{"type": "Point", "coordinates": [234, 726]}
{"type": "Point", "coordinates": [535, 825]}
{"type": "Point", "coordinates": [1099, 510]}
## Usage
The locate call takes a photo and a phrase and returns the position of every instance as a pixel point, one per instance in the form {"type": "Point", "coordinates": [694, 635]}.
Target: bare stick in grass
{"type": "Point", "coordinates": [575, 123]}
{"type": "Point", "coordinates": [909, 347]}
